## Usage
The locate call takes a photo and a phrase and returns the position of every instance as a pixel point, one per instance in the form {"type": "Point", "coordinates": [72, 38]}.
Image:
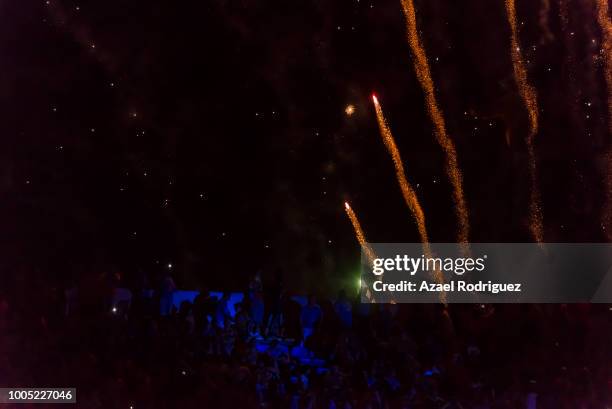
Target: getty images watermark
{"type": "Point", "coordinates": [436, 265]}
{"type": "Point", "coordinates": [487, 272]}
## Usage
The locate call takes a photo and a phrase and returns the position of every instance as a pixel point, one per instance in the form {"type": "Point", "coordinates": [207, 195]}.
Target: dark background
{"type": "Point", "coordinates": [212, 135]}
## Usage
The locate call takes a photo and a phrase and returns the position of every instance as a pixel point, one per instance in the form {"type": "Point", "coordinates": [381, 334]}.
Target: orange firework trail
{"type": "Point", "coordinates": [407, 191]}
{"type": "Point", "coordinates": [606, 50]}
{"type": "Point", "coordinates": [529, 97]}
{"type": "Point", "coordinates": [421, 67]}
{"type": "Point", "coordinates": [359, 232]}
{"type": "Point", "coordinates": [371, 255]}
{"type": "Point", "coordinates": [362, 241]}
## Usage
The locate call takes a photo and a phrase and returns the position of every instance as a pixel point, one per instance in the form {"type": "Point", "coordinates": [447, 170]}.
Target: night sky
{"type": "Point", "coordinates": [214, 136]}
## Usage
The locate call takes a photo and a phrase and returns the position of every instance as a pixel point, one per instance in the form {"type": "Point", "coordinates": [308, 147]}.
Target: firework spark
{"type": "Point", "coordinates": [529, 97]}
{"type": "Point", "coordinates": [371, 255]}
{"type": "Point", "coordinates": [606, 50]}
{"type": "Point", "coordinates": [359, 232]}
{"type": "Point", "coordinates": [407, 191]}
{"type": "Point", "coordinates": [363, 242]}
{"type": "Point", "coordinates": [349, 110]}
{"type": "Point", "coordinates": [421, 67]}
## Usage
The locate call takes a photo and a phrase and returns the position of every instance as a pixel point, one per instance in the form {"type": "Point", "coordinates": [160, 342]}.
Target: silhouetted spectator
{"type": "Point", "coordinates": [344, 310]}
{"type": "Point", "coordinates": [166, 295]}
{"type": "Point", "coordinates": [310, 317]}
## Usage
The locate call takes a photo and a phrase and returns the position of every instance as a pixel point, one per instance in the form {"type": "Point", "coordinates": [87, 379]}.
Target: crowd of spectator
{"type": "Point", "coordinates": [269, 350]}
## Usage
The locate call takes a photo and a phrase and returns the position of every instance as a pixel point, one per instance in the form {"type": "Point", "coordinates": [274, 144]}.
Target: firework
{"type": "Point", "coordinates": [529, 97]}
{"type": "Point", "coordinates": [363, 242]}
{"type": "Point", "coordinates": [407, 191]}
{"type": "Point", "coordinates": [371, 255]}
{"type": "Point", "coordinates": [606, 50]}
{"type": "Point", "coordinates": [421, 67]}
{"type": "Point", "coordinates": [359, 232]}
{"type": "Point", "coordinates": [349, 110]}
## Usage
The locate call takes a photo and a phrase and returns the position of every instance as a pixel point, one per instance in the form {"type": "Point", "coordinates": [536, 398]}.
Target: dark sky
{"type": "Point", "coordinates": [212, 135]}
